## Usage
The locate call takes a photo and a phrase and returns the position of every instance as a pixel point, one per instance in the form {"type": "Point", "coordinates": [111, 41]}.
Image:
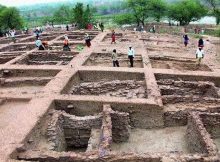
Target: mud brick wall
{"type": "Point", "coordinates": [89, 157]}
{"type": "Point", "coordinates": [212, 123]}
{"type": "Point", "coordinates": [77, 130]}
{"type": "Point", "coordinates": [55, 132]}
{"type": "Point", "coordinates": [175, 118]}
{"type": "Point", "coordinates": [120, 126]}
{"type": "Point", "coordinates": [198, 138]}
{"type": "Point", "coordinates": [106, 131]}
{"type": "Point", "coordinates": [142, 116]}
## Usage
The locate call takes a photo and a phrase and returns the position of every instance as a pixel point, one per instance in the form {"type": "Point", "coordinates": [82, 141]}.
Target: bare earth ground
{"type": "Point", "coordinates": [19, 117]}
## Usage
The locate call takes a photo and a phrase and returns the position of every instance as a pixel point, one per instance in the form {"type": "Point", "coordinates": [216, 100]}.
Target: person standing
{"type": "Point", "coordinates": [131, 56]}
{"type": "Point", "coordinates": [201, 43]}
{"type": "Point", "coordinates": [199, 55]}
{"type": "Point", "coordinates": [67, 27]}
{"type": "Point", "coordinates": [12, 33]}
{"type": "Point", "coordinates": [113, 37]}
{"type": "Point", "coordinates": [87, 40]}
{"type": "Point", "coordinates": [101, 25]}
{"type": "Point", "coordinates": [186, 40]}
{"type": "Point", "coordinates": [115, 58]}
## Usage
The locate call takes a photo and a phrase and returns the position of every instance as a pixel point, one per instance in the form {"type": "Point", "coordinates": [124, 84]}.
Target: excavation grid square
{"type": "Point", "coordinates": [8, 56]}
{"type": "Point", "coordinates": [58, 46]}
{"type": "Point", "coordinates": [105, 60]}
{"type": "Point", "coordinates": [18, 47]}
{"type": "Point", "coordinates": [166, 140]}
{"type": "Point", "coordinates": [177, 64]}
{"type": "Point", "coordinates": [114, 84]}
{"type": "Point", "coordinates": [24, 81]}
{"type": "Point", "coordinates": [190, 91]}
{"type": "Point", "coordinates": [48, 58]}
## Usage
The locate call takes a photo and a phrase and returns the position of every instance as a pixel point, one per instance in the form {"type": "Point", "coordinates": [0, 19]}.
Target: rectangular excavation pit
{"type": "Point", "coordinates": [7, 56]}
{"type": "Point", "coordinates": [18, 47]}
{"type": "Point", "coordinates": [73, 46]}
{"type": "Point", "coordinates": [164, 140]}
{"type": "Point", "coordinates": [77, 37]}
{"type": "Point", "coordinates": [9, 109]}
{"type": "Point", "coordinates": [119, 37]}
{"type": "Point", "coordinates": [101, 83]}
{"type": "Point", "coordinates": [42, 38]}
{"type": "Point", "coordinates": [61, 132]}
{"type": "Point", "coordinates": [24, 81]}
{"type": "Point", "coordinates": [48, 58]}
{"type": "Point", "coordinates": [211, 122]}
{"type": "Point", "coordinates": [6, 40]}
{"type": "Point", "coordinates": [80, 130]}
{"type": "Point", "coordinates": [191, 92]}
{"type": "Point", "coordinates": [177, 64]}
{"type": "Point", "coordinates": [105, 59]}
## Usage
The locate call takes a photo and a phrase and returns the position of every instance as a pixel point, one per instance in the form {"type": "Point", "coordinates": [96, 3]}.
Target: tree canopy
{"type": "Point", "coordinates": [10, 18]}
{"type": "Point", "coordinates": [187, 11]}
{"type": "Point", "coordinates": [215, 6]}
{"type": "Point", "coordinates": [82, 16]}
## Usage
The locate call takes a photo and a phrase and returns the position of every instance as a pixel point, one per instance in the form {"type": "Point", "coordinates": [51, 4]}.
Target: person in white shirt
{"type": "Point", "coordinates": [199, 55]}
{"type": "Point", "coordinates": [131, 56]}
{"type": "Point", "coordinates": [12, 33]}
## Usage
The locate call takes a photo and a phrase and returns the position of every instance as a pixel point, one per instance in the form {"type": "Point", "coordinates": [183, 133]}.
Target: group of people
{"type": "Point", "coordinates": [199, 52]}
{"type": "Point", "coordinates": [131, 54]}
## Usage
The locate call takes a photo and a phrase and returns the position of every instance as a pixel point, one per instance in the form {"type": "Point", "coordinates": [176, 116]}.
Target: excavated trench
{"type": "Point", "coordinates": [177, 90]}
{"type": "Point", "coordinates": [177, 64]}
{"type": "Point", "coordinates": [107, 130]}
{"type": "Point", "coordinates": [18, 47]}
{"type": "Point", "coordinates": [126, 85]}
{"type": "Point", "coordinates": [48, 58]}
{"type": "Point", "coordinates": [24, 81]}
{"type": "Point", "coordinates": [105, 60]}
{"type": "Point", "coordinates": [8, 56]}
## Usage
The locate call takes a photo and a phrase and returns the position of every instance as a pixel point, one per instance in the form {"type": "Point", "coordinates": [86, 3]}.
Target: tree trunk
{"type": "Point", "coordinates": [217, 20]}
{"type": "Point", "coordinates": [142, 22]}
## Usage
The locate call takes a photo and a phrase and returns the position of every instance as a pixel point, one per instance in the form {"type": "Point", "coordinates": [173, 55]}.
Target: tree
{"type": "Point", "coordinates": [78, 15]}
{"type": "Point", "coordinates": [215, 5]}
{"type": "Point", "coordinates": [140, 10]}
{"type": "Point", "coordinates": [187, 11]}
{"type": "Point", "coordinates": [62, 15]}
{"type": "Point", "coordinates": [126, 18]}
{"type": "Point", "coordinates": [87, 15]}
{"type": "Point", "coordinates": [10, 19]}
{"type": "Point", "coordinates": [158, 9]}
{"type": "Point", "coordinates": [82, 16]}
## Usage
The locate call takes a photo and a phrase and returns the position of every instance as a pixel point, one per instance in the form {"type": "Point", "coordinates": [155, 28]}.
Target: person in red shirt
{"type": "Point", "coordinates": [113, 37]}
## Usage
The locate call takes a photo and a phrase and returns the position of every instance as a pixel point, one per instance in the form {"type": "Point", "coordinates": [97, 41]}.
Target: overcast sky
{"type": "Point", "coordinates": [24, 2]}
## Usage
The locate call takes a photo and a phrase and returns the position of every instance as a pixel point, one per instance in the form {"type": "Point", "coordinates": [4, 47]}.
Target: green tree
{"type": "Point", "coordinates": [10, 19]}
{"type": "Point", "coordinates": [187, 11]}
{"type": "Point", "coordinates": [62, 15]}
{"type": "Point", "coordinates": [158, 9]}
{"type": "Point", "coordinates": [140, 9]}
{"type": "Point", "coordinates": [126, 18]}
{"type": "Point", "coordinates": [215, 5]}
{"type": "Point", "coordinates": [87, 16]}
{"type": "Point", "coordinates": [78, 15]}
{"type": "Point", "coordinates": [83, 16]}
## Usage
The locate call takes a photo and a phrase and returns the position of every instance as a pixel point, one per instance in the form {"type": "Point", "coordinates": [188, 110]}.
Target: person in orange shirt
{"type": "Point", "coordinates": [66, 44]}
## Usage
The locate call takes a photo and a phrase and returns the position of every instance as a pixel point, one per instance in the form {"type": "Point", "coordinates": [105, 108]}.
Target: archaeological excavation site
{"type": "Point", "coordinates": [74, 106]}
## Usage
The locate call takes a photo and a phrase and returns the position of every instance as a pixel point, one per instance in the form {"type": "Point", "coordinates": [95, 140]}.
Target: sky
{"type": "Point", "coordinates": [24, 2]}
